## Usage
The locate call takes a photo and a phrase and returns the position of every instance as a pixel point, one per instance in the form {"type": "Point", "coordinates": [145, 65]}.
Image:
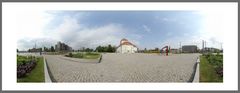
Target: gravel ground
{"type": "Point", "coordinates": [124, 68]}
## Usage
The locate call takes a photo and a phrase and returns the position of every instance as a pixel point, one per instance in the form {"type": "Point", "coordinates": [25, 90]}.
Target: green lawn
{"type": "Point", "coordinates": [90, 55]}
{"type": "Point", "coordinates": [207, 72]}
{"type": "Point", "coordinates": [36, 75]}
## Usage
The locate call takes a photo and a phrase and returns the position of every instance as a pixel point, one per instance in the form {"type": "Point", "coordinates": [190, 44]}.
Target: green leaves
{"type": "Point", "coordinates": [216, 61]}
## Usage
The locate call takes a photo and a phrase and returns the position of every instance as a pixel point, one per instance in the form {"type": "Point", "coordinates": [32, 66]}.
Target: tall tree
{"type": "Point", "coordinates": [109, 48]}
{"type": "Point", "coordinates": [156, 49]}
{"type": "Point", "coordinates": [88, 50]}
{"type": "Point", "coordinates": [52, 49]}
{"type": "Point", "coordinates": [44, 49]}
{"type": "Point", "coordinates": [40, 49]}
{"type": "Point", "coordinates": [99, 49]}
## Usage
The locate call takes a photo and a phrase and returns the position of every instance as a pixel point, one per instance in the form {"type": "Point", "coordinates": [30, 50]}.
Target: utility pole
{"type": "Point", "coordinates": [202, 44]}
{"type": "Point", "coordinates": [206, 49]}
{"type": "Point", "coordinates": [221, 47]}
{"type": "Point", "coordinates": [205, 44]}
{"type": "Point", "coordinates": [180, 49]}
{"type": "Point", "coordinates": [35, 46]}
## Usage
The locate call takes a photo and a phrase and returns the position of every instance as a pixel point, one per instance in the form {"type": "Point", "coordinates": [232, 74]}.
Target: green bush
{"type": "Point", "coordinates": [216, 61]}
{"type": "Point", "coordinates": [87, 55]}
{"type": "Point", "coordinates": [23, 59]}
{"type": "Point", "coordinates": [78, 55]}
{"type": "Point", "coordinates": [70, 55]}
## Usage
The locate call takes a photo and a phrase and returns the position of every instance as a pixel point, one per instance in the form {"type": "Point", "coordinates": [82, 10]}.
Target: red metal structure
{"type": "Point", "coordinates": [167, 48]}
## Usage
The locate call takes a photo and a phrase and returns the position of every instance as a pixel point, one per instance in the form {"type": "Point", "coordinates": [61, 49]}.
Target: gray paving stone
{"type": "Point", "coordinates": [124, 68]}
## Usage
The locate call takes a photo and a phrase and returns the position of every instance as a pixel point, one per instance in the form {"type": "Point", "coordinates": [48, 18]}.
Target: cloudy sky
{"type": "Point", "coordinates": [146, 29]}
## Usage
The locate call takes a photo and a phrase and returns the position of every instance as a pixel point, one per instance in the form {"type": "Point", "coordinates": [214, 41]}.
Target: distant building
{"type": "Point", "coordinates": [210, 49]}
{"type": "Point", "coordinates": [189, 49]}
{"type": "Point", "coordinates": [174, 51]}
{"type": "Point", "coordinates": [35, 50]}
{"type": "Point", "coordinates": [62, 47]}
{"type": "Point", "coordinates": [126, 47]}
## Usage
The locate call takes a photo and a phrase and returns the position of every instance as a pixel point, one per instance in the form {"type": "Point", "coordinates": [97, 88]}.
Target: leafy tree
{"type": "Point", "coordinates": [99, 49]}
{"type": "Point", "coordinates": [109, 48]}
{"type": "Point", "coordinates": [83, 49]}
{"type": "Point", "coordinates": [45, 49]}
{"type": "Point", "coordinates": [88, 50]}
{"type": "Point", "coordinates": [156, 49]}
{"type": "Point", "coordinates": [114, 48]}
{"type": "Point", "coordinates": [40, 49]}
{"type": "Point", "coordinates": [52, 49]}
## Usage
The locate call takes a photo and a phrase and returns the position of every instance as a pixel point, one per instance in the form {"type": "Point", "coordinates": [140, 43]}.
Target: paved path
{"type": "Point", "coordinates": [124, 68]}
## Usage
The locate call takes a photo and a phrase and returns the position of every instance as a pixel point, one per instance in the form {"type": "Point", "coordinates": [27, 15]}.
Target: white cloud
{"type": "Point", "coordinates": [146, 28]}
{"type": "Point", "coordinates": [165, 19]}
{"type": "Point", "coordinates": [92, 37]}
{"type": "Point", "coordinates": [213, 27]}
{"type": "Point", "coordinates": [214, 22]}
{"type": "Point", "coordinates": [174, 42]}
{"type": "Point", "coordinates": [31, 29]}
{"type": "Point", "coordinates": [31, 23]}
{"type": "Point", "coordinates": [71, 32]}
{"type": "Point", "coordinates": [25, 44]}
{"type": "Point", "coordinates": [169, 34]}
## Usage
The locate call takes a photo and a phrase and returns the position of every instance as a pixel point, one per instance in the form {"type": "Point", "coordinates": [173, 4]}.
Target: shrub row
{"type": "Point", "coordinates": [81, 55]}
{"type": "Point", "coordinates": [24, 68]}
{"type": "Point", "coordinates": [216, 61]}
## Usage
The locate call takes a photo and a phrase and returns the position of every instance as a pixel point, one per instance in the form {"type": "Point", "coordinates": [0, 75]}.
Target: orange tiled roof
{"type": "Point", "coordinates": [124, 39]}
{"type": "Point", "coordinates": [127, 43]}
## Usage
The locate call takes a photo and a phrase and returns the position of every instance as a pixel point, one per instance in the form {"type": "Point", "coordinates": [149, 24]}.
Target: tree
{"type": "Point", "coordinates": [52, 49]}
{"type": "Point", "coordinates": [109, 48]}
{"type": "Point", "coordinates": [156, 49]}
{"type": "Point", "coordinates": [40, 49]}
{"type": "Point", "coordinates": [45, 49]}
{"type": "Point", "coordinates": [99, 49]}
{"type": "Point", "coordinates": [17, 50]}
{"type": "Point", "coordinates": [83, 49]}
{"type": "Point", "coordinates": [88, 50]}
{"type": "Point", "coordinates": [114, 48]}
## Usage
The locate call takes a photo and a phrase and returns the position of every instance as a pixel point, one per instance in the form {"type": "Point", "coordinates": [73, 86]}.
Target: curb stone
{"type": "Point", "coordinates": [46, 74]}
{"type": "Point", "coordinates": [196, 76]}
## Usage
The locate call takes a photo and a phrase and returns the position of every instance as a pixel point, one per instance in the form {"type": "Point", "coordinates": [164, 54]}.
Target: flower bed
{"type": "Point", "coordinates": [25, 65]}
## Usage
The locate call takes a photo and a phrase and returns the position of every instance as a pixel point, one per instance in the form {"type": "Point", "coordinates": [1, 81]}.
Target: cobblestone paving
{"type": "Point", "coordinates": [124, 68]}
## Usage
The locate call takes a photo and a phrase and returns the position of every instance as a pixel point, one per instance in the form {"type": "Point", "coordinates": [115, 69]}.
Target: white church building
{"type": "Point", "coordinates": [126, 47]}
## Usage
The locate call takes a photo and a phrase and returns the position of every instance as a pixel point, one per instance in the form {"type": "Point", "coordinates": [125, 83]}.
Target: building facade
{"type": "Point", "coordinates": [189, 49]}
{"type": "Point", "coordinates": [126, 47]}
{"type": "Point", "coordinates": [211, 49]}
{"type": "Point", "coordinates": [62, 47]}
{"type": "Point", "coordinates": [174, 51]}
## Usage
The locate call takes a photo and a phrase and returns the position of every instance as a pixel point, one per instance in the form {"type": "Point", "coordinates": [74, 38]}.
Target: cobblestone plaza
{"type": "Point", "coordinates": [124, 68]}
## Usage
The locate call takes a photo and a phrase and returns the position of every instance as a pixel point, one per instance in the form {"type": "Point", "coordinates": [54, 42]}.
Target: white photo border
{"type": "Point", "coordinates": [230, 46]}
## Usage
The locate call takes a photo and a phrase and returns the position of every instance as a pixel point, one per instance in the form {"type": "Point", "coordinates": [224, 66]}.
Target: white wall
{"type": "Point", "coordinates": [126, 49]}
